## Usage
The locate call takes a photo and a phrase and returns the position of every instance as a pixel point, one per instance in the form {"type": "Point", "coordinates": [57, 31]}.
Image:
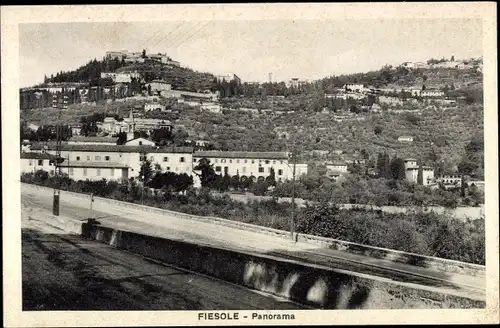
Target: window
{"type": "Point", "coordinates": [274, 161]}
{"type": "Point", "coordinates": [98, 158]}
{"type": "Point", "coordinates": [238, 161]}
{"type": "Point", "coordinates": [88, 158]}
{"type": "Point", "coordinates": [194, 160]}
{"type": "Point", "coordinates": [98, 172]}
{"type": "Point", "coordinates": [280, 172]}
{"type": "Point", "coordinates": [244, 169]}
{"type": "Point", "coordinates": [268, 161]}
{"type": "Point", "coordinates": [230, 161]}
{"type": "Point", "coordinates": [226, 169]}
{"type": "Point", "coordinates": [106, 158]}
{"type": "Point", "coordinates": [30, 162]}
{"type": "Point", "coordinates": [261, 169]}
{"type": "Point", "coordinates": [217, 169]}
{"type": "Point", "coordinates": [253, 161]}
{"type": "Point", "coordinates": [40, 162]}
{"type": "Point", "coordinates": [151, 158]}
{"type": "Point", "coordinates": [168, 168]}
{"type": "Point", "coordinates": [71, 171]}
{"type": "Point", "coordinates": [165, 159]}
{"type": "Point", "coordinates": [77, 158]}
{"type": "Point", "coordinates": [85, 171]}
{"type": "Point", "coordinates": [281, 162]}
{"type": "Point", "coordinates": [216, 160]}
{"type": "Point", "coordinates": [140, 143]}
{"type": "Point", "coordinates": [245, 161]}
{"type": "Point", "coordinates": [182, 159]}
{"type": "Point", "coordinates": [112, 172]}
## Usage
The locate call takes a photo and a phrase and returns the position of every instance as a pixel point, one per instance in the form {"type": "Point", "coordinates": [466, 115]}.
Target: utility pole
{"type": "Point", "coordinates": [57, 171]}
{"type": "Point", "coordinates": [292, 220]}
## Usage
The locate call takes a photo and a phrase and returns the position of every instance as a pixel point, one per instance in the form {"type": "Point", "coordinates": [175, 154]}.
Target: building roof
{"type": "Point", "coordinates": [337, 163]}
{"type": "Point", "coordinates": [242, 154]}
{"type": "Point", "coordinates": [115, 148]}
{"type": "Point", "coordinates": [93, 139]}
{"type": "Point", "coordinates": [423, 167]}
{"type": "Point", "coordinates": [110, 165]}
{"type": "Point", "coordinates": [31, 155]}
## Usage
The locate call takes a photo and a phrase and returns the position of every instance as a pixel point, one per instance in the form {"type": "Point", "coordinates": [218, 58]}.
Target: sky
{"type": "Point", "coordinates": [306, 49]}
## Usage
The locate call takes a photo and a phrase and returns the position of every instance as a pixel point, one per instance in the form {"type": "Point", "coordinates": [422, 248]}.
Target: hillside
{"type": "Point", "coordinates": [180, 78]}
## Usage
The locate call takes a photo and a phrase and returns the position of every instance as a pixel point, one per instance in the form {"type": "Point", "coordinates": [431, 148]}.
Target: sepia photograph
{"type": "Point", "coordinates": [241, 164]}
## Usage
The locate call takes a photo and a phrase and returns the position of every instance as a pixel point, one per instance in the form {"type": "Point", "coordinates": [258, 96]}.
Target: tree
{"type": "Point", "coordinates": [420, 174]}
{"type": "Point", "coordinates": [235, 182]}
{"type": "Point", "coordinates": [207, 176]}
{"type": "Point", "coordinates": [122, 138]}
{"type": "Point", "coordinates": [452, 58]}
{"type": "Point", "coordinates": [397, 167]}
{"type": "Point", "coordinates": [225, 182]}
{"type": "Point", "coordinates": [271, 179]}
{"type": "Point", "coordinates": [146, 171]}
{"type": "Point", "coordinates": [143, 53]}
{"type": "Point", "coordinates": [383, 165]}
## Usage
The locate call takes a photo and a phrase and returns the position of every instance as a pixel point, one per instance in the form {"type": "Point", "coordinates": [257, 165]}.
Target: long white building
{"type": "Point", "coordinates": [116, 162]}
{"type": "Point", "coordinates": [256, 164]}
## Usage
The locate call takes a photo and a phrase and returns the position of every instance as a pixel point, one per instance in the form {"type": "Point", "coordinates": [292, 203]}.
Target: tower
{"type": "Point", "coordinates": [131, 126]}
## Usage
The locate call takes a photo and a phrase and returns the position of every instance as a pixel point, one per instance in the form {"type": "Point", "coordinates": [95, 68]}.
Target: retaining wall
{"type": "Point", "coordinates": [308, 284]}
{"type": "Point", "coordinates": [434, 263]}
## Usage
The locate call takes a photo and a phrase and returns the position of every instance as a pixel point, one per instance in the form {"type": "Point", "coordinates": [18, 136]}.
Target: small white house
{"type": "Point", "coordinates": [32, 162]}
{"type": "Point", "coordinates": [405, 139]}
{"type": "Point", "coordinates": [337, 167]}
{"type": "Point", "coordinates": [153, 106]}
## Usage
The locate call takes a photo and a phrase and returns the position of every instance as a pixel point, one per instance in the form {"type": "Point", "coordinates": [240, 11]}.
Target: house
{"type": "Point", "coordinates": [202, 143]}
{"type": "Point", "coordinates": [139, 142]}
{"type": "Point", "coordinates": [405, 139]}
{"type": "Point", "coordinates": [153, 106]}
{"type": "Point", "coordinates": [390, 100]}
{"type": "Point", "coordinates": [120, 77]}
{"type": "Point", "coordinates": [94, 162]}
{"type": "Point", "coordinates": [465, 66]}
{"type": "Point", "coordinates": [76, 129]}
{"type": "Point", "coordinates": [212, 107]}
{"type": "Point", "coordinates": [411, 174]}
{"type": "Point", "coordinates": [415, 92]}
{"type": "Point", "coordinates": [33, 161]}
{"type": "Point", "coordinates": [432, 93]}
{"type": "Point", "coordinates": [353, 87]}
{"type": "Point", "coordinates": [450, 180]}
{"type": "Point", "coordinates": [337, 167]}
{"type": "Point", "coordinates": [251, 164]}
{"type": "Point", "coordinates": [79, 140]}
{"type": "Point", "coordinates": [376, 108]}
{"type": "Point", "coordinates": [228, 77]}
{"type": "Point", "coordinates": [33, 127]}
{"type": "Point", "coordinates": [160, 86]}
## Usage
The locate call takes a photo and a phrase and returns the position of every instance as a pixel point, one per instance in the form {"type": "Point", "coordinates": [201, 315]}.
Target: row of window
{"type": "Point", "coordinates": [165, 159]}
{"type": "Point", "coordinates": [223, 160]}
{"type": "Point", "coordinates": [98, 172]}
{"type": "Point", "coordinates": [97, 158]}
{"type": "Point", "coordinates": [244, 170]}
{"type": "Point", "coordinates": [39, 161]}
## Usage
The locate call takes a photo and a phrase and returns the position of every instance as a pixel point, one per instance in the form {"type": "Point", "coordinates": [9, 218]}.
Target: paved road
{"type": "Point", "coordinates": [218, 235]}
{"type": "Point", "coordinates": [65, 272]}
